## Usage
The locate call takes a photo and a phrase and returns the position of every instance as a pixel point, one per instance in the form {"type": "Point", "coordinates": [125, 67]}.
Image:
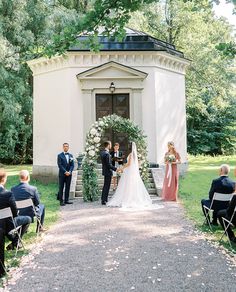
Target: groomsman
{"type": "Point", "coordinates": [107, 168]}
{"type": "Point", "coordinates": [65, 164]}
{"type": "Point", "coordinates": [24, 191]}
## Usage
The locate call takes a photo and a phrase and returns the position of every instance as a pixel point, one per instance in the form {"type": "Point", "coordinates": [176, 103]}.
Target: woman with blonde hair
{"type": "Point", "coordinates": [170, 184]}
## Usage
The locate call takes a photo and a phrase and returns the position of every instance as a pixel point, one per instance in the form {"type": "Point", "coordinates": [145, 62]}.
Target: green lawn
{"type": "Point", "coordinates": [196, 184]}
{"type": "Point", "coordinates": [47, 197]}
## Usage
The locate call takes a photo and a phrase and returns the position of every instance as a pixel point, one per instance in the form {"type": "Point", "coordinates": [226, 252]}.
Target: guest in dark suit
{"type": "Point", "coordinates": [227, 213]}
{"type": "Point", "coordinates": [117, 159]}
{"type": "Point", "coordinates": [65, 163]}
{"type": "Point", "coordinates": [7, 200]}
{"type": "Point", "coordinates": [25, 191]}
{"type": "Point", "coordinates": [223, 185]}
{"type": "Point", "coordinates": [107, 169]}
{"type": "Point", "coordinates": [2, 245]}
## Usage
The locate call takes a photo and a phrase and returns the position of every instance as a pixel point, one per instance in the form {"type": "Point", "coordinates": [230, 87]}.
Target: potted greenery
{"type": "Point", "coordinates": [80, 159]}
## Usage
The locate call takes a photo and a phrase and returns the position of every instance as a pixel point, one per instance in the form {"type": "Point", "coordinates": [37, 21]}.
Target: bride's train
{"type": "Point", "coordinates": [131, 193]}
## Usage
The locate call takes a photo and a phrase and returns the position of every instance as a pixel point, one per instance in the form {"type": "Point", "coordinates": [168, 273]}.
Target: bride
{"type": "Point", "coordinates": [131, 192]}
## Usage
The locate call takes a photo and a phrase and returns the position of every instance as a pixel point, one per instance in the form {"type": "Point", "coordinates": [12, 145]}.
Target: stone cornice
{"type": "Point", "coordinates": [82, 60]}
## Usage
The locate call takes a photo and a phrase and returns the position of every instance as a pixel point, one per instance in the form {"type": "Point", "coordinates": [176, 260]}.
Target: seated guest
{"type": "Point", "coordinates": [223, 185]}
{"type": "Point", "coordinates": [7, 200]}
{"type": "Point", "coordinates": [2, 245]}
{"type": "Point", "coordinates": [25, 191]}
{"type": "Point", "coordinates": [227, 213]}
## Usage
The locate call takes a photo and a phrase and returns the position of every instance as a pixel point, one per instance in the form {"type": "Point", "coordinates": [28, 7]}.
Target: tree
{"type": "Point", "coordinates": [193, 28]}
{"type": "Point", "coordinates": [25, 27]}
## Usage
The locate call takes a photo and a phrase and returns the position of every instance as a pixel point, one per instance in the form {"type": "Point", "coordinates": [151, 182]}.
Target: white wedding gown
{"type": "Point", "coordinates": [131, 192]}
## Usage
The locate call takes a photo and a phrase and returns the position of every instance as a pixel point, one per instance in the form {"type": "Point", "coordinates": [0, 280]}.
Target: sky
{"type": "Point", "coordinates": [225, 9]}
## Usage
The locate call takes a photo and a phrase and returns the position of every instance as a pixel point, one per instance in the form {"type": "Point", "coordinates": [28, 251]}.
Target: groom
{"type": "Point", "coordinates": [107, 168]}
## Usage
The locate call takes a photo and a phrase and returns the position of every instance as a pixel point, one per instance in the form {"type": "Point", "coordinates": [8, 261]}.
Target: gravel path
{"type": "Point", "coordinates": [100, 249]}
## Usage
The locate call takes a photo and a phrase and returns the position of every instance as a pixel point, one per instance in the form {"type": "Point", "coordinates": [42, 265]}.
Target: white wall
{"type": "Point", "coordinates": [55, 119]}
{"type": "Point", "coordinates": [149, 122]}
{"type": "Point", "coordinates": [170, 113]}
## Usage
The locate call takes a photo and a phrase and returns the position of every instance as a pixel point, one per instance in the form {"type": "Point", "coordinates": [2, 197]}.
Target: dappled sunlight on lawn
{"type": "Point", "coordinates": [15, 169]}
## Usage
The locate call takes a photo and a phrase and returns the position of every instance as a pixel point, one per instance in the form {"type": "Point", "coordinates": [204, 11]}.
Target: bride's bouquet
{"type": "Point", "coordinates": [170, 158]}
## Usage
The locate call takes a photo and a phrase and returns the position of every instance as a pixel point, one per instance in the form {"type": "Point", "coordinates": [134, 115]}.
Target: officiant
{"type": "Point", "coordinates": [117, 161]}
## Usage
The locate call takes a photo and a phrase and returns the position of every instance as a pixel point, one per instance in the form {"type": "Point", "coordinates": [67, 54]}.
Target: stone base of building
{"type": "Point", "coordinates": [45, 174]}
{"type": "Point", "coordinates": [49, 174]}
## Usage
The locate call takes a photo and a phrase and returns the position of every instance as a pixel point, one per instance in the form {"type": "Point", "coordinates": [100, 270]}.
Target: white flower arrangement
{"type": "Point", "coordinates": [92, 148]}
{"type": "Point", "coordinates": [96, 139]}
{"type": "Point", "coordinates": [93, 131]}
{"type": "Point", "coordinates": [91, 153]}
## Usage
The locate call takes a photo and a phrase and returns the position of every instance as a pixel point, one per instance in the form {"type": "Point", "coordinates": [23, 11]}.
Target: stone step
{"type": "Point", "coordinates": [100, 176]}
{"type": "Point", "coordinates": [154, 197]}
{"type": "Point", "coordinates": [100, 185]}
{"type": "Point", "coordinates": [80, 192]}
{"type": "Point", "coordinates": [101, 180]}
{"type": "Point", "coordinates": [99, 171]}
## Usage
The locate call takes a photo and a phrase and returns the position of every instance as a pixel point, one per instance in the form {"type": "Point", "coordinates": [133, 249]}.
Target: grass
{"type": "Point", "coordinates": [196, 184]}
{"type": "Point", "coordinates": [47, 197]}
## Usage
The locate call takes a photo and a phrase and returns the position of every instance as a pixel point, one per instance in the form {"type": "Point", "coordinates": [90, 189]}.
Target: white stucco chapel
{"type": "Point", "coordinates": [140, 78]}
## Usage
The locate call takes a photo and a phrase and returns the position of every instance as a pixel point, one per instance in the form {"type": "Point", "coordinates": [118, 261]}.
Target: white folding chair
{"type": "Point", "coordinates": [7, 213]}
{"type": "Point", "coordinates": [29, 203]}
{"type": "Point", "coordinates": [216, 197]}
{"type": "Point", "coordinates": [227, 223]}
{"type": "Point", "coordinates": [2, 263]}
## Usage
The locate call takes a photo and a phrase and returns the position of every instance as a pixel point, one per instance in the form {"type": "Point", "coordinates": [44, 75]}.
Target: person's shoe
{"type": "Point", "coordinates": [68, 203]}
{"type": "Point", "coordinates": [10, 246]}
{"type": "Point", "coordinates": [103, 203]}
{"type": "Point", "coordinates": [233, 239]}
{"type": "Point", "coordinates": [42, 229]}
{"type": "Point", "coordinates": [62, 203]}
{"type": "Point", "coordinates": [213, 222]}
{"type": "Point", "coordinates": [2, 274]}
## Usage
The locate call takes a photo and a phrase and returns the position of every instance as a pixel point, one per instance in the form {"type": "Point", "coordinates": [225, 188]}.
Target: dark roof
{"type": "Point", "coordinates": [133, 41]}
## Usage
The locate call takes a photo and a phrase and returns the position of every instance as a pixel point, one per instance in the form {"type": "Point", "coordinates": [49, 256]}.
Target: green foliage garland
{"type": "Point", "coordinates": [92, 147]}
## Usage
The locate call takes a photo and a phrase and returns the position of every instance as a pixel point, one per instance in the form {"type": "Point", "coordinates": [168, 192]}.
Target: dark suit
{"type": "Point", "coordinates": [119, 157]}
{"type": "Point", "coordinates": [2, 245]}
{"type": "Point", "coordinates": [7, 200]}
{"type": "Point", "coordinates": [64, 180]}
{"type": "Point", "coordinates": [223, 185]}
{"type": "Point", "coordinates": [107, 168]}
{"type": "Point", "coordinates": [25, 191]}
{"type": "Point", "coordinates": [227, 213]}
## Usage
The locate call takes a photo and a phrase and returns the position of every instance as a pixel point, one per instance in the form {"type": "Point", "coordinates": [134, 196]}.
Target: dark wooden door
{"type": "Point", "coordinates": [107, 104]}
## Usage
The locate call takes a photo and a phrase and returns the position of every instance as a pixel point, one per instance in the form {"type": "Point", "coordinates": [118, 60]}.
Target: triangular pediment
{"type": "Point", "coordinates": [112, 70]}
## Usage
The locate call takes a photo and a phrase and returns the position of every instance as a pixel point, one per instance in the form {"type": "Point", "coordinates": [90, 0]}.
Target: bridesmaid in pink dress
{"type": "Point", "coordinates": [170, 184]}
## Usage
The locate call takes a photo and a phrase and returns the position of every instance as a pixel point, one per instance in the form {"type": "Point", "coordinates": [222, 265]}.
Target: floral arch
{"type": "Point", "coordinates": [93, 144]}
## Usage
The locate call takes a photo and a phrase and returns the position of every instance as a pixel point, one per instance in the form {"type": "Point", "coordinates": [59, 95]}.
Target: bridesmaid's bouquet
{"type": "Point", "coordinates": [170, 158]}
